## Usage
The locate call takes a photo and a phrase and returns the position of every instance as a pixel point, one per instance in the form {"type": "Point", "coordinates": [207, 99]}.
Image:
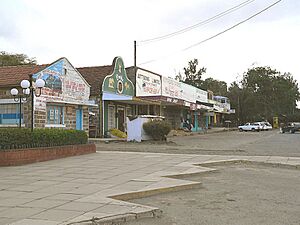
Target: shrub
{"type": "Point", "coordinates": [157, 129]}
{"type": "Point", "coordinates": [13, 138]}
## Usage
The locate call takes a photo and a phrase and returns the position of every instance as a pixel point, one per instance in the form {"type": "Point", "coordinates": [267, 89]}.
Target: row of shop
{"type": "Point", "coordinates": [96, 99]}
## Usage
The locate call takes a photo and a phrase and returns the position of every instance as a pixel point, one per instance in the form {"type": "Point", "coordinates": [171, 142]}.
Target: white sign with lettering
{"type": "Point", "coordinates": [147, 84]}
{"type": "Point", "coordinates": [188, 92]}
{"type": "Point", "coordinates": [201, 96]}
{"type": "Point", "coordinates": [171, 88]}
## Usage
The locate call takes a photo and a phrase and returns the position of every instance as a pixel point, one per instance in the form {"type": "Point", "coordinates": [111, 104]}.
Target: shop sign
{"type": "Point", "coordinates": [201, 95]}
{"type": "Point", "coordinates": [193, 106]}
{"type": "Point", "coordinates": [172, 100]}
{"type": "Point", "coordinates": [62, 83]}
{"type": "Point", "coordinates": [147, 84]}
{"type": "Point", "coordinates": [171, 88]}
{"type": "Point", "coordinates": [118, 82]}
{"type": "Point", "coordinates": [188, 92]}
{"type": "Point", "coordinates": [188, 104]}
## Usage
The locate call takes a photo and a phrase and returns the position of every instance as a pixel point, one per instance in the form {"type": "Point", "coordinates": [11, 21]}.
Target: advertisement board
{"type": "Point", "coordinates": [201, 96]}
{"type": "Point", "coordinates": [147, 84]}
{"type": "Point", "coordinates": [188, 92]}
{"type": "Point", "coordinates": [171, 88]}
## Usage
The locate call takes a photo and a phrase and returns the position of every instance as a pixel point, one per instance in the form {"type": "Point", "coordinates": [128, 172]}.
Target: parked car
{"type": "Point", "coordinates": [250, 127]}
{"type": "Point", "coordinates": [290, 127]}
{"type": "Point", "coordinates": [265, 125]}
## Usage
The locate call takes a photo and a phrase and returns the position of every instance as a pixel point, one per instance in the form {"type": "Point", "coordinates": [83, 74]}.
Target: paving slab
{"type": "Point", "coordinates": [82, 187]}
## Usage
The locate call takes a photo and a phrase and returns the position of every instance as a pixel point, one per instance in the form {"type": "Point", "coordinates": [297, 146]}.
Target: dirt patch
{"type": "Point", "coordinates": [237, 194]}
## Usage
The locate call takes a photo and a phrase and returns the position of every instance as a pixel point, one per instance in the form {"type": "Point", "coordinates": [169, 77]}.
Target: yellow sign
{"type": "Point", "coordinates": [275, 122]}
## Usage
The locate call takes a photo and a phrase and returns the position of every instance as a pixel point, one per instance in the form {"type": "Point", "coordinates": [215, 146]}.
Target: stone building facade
{"type": "Point", "coordinates": [63, 102]}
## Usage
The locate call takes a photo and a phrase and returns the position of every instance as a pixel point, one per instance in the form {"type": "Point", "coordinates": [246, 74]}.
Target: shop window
{"type": "Point", "coordinates": [55, 115]}
{"type": "Point", "coordinates": [111, 117]}
{"type": "Point", "coordinates": [9, 114]}
{"type": "Point", "coordinates": [128, 111]}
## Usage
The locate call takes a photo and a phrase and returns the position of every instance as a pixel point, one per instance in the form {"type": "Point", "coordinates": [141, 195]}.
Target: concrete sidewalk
{"type": "Point", "coordinates": [91, 189]}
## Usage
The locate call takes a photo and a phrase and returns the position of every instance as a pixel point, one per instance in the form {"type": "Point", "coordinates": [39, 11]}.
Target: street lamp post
{"type": "Point", "coordinates": [28, 90]}
{"type": "Point", "coordinates": [20, 98]}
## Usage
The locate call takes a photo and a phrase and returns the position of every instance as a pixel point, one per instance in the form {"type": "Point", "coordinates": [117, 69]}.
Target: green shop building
{"type": "Point", "coordinates": [114, 93]}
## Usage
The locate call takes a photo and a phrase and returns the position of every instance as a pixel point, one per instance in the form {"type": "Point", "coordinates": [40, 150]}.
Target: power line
{"type": "Point", "coordinates": [224, 13]}
{"type": "Point", "coordinates": [230, 28]}
{"type": "Point", "coordinates": [218, 34]}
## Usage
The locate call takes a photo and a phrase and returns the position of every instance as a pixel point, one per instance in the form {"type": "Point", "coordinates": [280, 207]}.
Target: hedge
{"type": "Point", "coordinates": [157, 129]}
{"type": "Point", "coordinates": [14, 138]}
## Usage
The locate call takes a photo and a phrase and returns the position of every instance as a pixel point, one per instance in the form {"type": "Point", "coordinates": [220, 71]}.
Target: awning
{"type": "Point", "coordinates": [71, 103]}
{"type": "Point", "coordinates": [115, 97]}
{"type": "Point", "coordinates": [9, 101]}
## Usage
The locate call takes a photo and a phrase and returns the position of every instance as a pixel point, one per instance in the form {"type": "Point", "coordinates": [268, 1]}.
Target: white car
{"type": "Point", "coordinates": [266, 126]}
{"type": "Point", "coordinates": [250, 127]}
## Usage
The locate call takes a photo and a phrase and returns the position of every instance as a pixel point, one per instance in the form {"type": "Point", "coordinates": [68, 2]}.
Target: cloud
{"type": "Point", "coordinates": [93, 32]}
{"type": "Point", "coordinates": [8, 24]}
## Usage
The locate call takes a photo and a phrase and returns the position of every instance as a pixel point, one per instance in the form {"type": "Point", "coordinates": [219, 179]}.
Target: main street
{"type": "Point", "coordinates": [270, 143]}
{"type": "Point", "coordinates": [237, 193]}
{"type": "Point", "coordinates": [248, 178]}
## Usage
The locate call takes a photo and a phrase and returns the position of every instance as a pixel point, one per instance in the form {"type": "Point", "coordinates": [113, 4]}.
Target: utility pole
{"type": "Point", "coordinates": [238, 100]}
{"type": "Point", "coordinates": [134, 55]}
{"type": "Point", "coordinates": [135, 68]}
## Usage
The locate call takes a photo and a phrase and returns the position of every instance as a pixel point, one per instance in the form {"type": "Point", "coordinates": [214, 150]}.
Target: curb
{"type": "Point", "coordinates": [150, 192]}
{"type": "Point", "coordinates": [121, 218]}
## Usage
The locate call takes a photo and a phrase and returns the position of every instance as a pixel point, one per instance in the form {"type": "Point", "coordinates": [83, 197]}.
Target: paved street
{"type": "Point", "coordinates": [96, 187]}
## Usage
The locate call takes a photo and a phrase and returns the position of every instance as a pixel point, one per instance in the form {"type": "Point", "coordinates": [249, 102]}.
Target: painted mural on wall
{"type": "Point", "coordinates": [118, 82]}
{"type": "Point", "coordinates": [52, 76]}
{"type": "Point", "coordinates": [147, 84]}
{"type": "Point", "coordinates": [63, 84]}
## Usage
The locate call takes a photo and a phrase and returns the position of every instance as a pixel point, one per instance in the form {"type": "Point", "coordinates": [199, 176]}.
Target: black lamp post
{"type": "Point", "coordinates": [21, 98]}
{"type": "Point", "coordinates": [28, 90]}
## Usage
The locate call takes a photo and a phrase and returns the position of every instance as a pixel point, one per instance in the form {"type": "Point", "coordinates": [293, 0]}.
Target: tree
{"type": "Point", "coordinates": [192, 76]}
{"type": "Point", "coordinates": [8, 59]}
{"type": "Point", "coordinates": [264, 93]}
{"type": "Point", "coordinates": [216, 86]}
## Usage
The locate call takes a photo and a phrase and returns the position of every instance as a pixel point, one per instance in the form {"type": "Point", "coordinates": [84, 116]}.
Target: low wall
{"type": "Point", "coordinates": [16, 157]}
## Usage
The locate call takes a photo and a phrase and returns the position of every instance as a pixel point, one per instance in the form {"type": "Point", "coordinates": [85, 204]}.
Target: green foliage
{"type": "Point", "coordinates": [192, 76]}
{"type": "Point", "coordinates": [157, 129]}
{"type": "Point", "coordinates": [264, 93]}
{"type": "Point", "coordinates": [8, 59]}
{"type": "Point", "coordinates": [13, 138]}
{"type": "Point", "coordinates": [216, 86]}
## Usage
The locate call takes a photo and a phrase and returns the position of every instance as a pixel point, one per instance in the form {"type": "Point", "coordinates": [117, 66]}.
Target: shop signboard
{"type": "Point", "coordinates": [171, 88]}
{"type": "Point", "coordinates": [62, 84]}
{"type": "Point", "coordinates": [188, 92]}
{"type": "Point", "coordinates": [201, 95]}
{"type": "Point", "coordinates": [118, 83]}
{"type": "Point", "coordinates": [147, 84]}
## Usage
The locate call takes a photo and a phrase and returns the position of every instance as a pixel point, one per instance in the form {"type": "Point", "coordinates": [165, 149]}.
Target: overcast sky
{"type": "Point", "coordinates": [92, 33]}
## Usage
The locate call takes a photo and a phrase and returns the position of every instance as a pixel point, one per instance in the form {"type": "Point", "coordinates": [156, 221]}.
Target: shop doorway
{"type": "Point", "coordinates": [79, 118]}
{"type": "Point", "coordinates": [121, 119]}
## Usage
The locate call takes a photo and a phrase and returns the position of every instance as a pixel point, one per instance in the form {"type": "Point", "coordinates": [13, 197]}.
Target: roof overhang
{"type": "Point", "coordinates": [71, 103]}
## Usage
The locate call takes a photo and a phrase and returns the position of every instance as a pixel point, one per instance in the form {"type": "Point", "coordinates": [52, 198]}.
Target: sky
{"type": "Point", "coordinates": [93, 32]}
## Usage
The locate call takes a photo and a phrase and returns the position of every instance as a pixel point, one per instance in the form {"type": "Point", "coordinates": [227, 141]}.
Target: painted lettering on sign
{"type": "Point", "coordinates": [147, 83]}
{"type": "Point", "coordinates": [171, 88]}
{"type": "Point", "coordinates": [172, 100]}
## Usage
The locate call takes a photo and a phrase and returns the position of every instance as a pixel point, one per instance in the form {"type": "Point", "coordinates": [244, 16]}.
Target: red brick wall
{"type": "Point", "coordinates": [18, 157]}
